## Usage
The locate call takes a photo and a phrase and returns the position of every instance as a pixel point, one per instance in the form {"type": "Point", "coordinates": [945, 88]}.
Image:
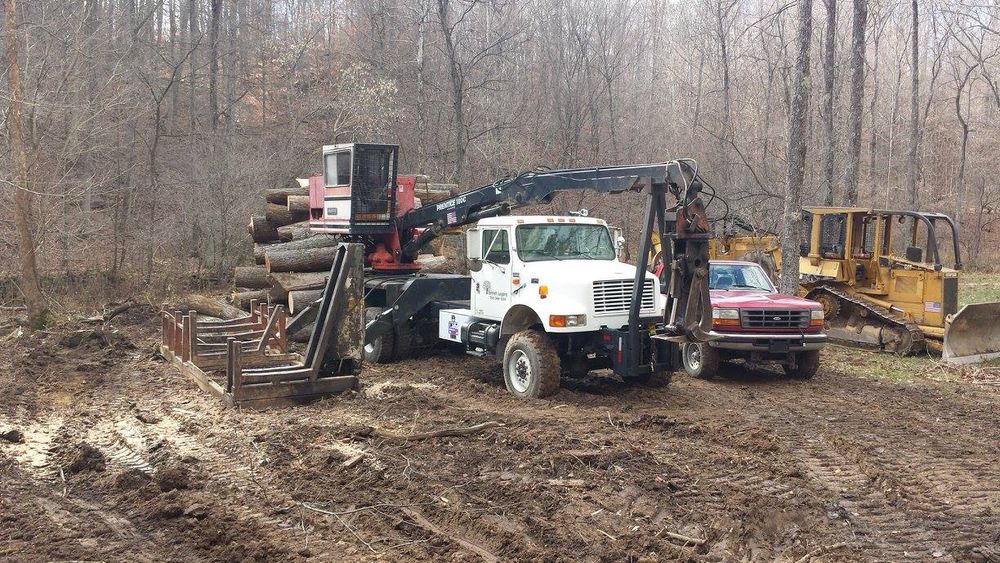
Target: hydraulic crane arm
{"type": "Point", "coordinates": [684, 223]}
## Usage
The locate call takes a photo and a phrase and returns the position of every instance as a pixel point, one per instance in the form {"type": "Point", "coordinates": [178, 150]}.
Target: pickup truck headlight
{"type": "Point", "coordinates": [725, 318]}
{"type": "Point", "coordinates": [816, 314]}
{"type": "Point", "coordinates": [561, 321]}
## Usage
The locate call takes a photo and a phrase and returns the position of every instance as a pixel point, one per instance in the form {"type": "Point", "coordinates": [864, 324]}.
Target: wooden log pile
{"type": "Point", "coordinates": [287, 257]}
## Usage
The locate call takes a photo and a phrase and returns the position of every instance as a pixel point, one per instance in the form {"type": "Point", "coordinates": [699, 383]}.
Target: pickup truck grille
{"type": "Point", "coordinates": [773, 318]}
{"type": "Point", "coordinates": [614, 296]}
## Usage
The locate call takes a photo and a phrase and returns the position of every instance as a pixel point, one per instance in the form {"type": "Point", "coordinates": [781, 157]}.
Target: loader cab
{"type": "Point", "coordinates": [356, 194]}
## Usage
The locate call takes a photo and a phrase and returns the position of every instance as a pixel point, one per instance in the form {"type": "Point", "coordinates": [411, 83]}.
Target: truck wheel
{"type": "Point", "coordinates": [531, 365]}
{"type": "Point", "coordinates": [382, 349]}
{"type": "Point", "coordinates": [807, 364]}
{"type": "Point", "coordinates": [403, 341]}
{"type": "Point", "coordinates": [700, 360]}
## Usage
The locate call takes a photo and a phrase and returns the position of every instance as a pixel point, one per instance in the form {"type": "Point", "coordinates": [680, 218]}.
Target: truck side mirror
{"type": "Point", "coordinates": [474, 250]}
{"type": "Point", "coordinates": [473, 245]}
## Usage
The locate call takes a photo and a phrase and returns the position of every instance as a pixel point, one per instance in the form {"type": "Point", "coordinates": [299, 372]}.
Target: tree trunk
{"type": "Point", "coordinates": [792, 229]}
{"type": "Point", "coordinates": [251, 277]}
{"type": "Point", "coordinates": [283, 283]}
{"type": "Point", "coordinates": [280, 195]}
{"type": "Point", "coordinates": [279, 215]}
{"type": "Point", "coordinates": [299, 300]}
{"type": "Point", "coordinates": [213, 69]}
{"type": "Point", "coordinates": [208, 306]}
{"type": "Point", "coordinates": [308, 260]}
{"type": "Point", "coordinates": [30, 286]}
{"type": "Point", "coordinates": [241, 299]}
{"type": "Point", "coordinates": [854, 112]}
{"type": "Point", "coordinates": [301, 244]}
{"type": "Point", "coordinates": [829, 62]}
{"type": "Point", "coordinates": [262, 230]}
{"type": "Point", "coordinates": [912, 195]}
{"type": "Point", "coordinates": [457, 91]}
{"type": "Point", "coordinates": [298, 204]}
{"type": "Point", "coordinates": [964, 124]}
{"type": "Point", "coordinates": [295, 231]}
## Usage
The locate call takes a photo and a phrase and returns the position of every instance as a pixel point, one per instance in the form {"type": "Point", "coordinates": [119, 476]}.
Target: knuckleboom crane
{"type": "Point", "coordinates": [514, 304]}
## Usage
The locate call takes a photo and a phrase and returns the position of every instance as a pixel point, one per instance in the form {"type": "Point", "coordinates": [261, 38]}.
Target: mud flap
{"type": "Point", "coordinates": [973, 334]}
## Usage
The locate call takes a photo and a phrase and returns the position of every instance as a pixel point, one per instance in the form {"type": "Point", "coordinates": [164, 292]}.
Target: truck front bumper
{"type": "Point", "coordinates": [768, 342]}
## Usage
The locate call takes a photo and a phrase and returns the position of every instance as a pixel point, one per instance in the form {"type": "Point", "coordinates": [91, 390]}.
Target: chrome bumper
{"type": "Point", "coordinates": [763, 342]}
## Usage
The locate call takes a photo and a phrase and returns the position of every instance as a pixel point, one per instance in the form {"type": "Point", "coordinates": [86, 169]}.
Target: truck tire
{"type": "Point", "coordinates": [403, 341]}
{"type": "Point", "coordinates": [700, 360]}
{"type": "Point", "coordinates": [806, 365]}
{"type": "Point", "coordinates": [383, 349]}
{"type": "Point", "coordinates": [530, 365]}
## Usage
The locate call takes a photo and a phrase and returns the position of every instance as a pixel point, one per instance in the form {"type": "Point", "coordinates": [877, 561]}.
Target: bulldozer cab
{"type": "Point", "coordinates": [890, 257]}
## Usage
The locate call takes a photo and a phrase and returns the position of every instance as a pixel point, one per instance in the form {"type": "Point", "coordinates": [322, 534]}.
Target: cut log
{"type": "Point", "coordinates": [298, 300]}
{"type": "Point", "coordinates": [242, 299]}
{"type": "Point", "coordinates": [262, 230]}
{"type": "Point", "coordinates": [295, 231]}
{"type": "Point", "coordinates": [322, 241]}
{"type": "Point", "coordinates": [280, 195]}
{"type": "Point", "coordinates": [306, 260]}
{"type": "Point", "coordinates": [208, 306]}
{"type": "Point", "coordinates": [282, 283]}
{"type": "Point", "coordinates": [279, 215]}
{"type": "Point", "coordinates": [251, 277]}
{"type": "Point", "coordinates": [298, 204]}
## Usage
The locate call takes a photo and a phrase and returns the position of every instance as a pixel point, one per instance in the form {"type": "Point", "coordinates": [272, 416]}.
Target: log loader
{"type": "Point", "coordinates": [546, 295]}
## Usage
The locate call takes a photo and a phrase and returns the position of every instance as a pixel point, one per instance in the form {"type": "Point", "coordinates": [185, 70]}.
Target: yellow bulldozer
{"type": "Point", "coordinates": [880, 277]}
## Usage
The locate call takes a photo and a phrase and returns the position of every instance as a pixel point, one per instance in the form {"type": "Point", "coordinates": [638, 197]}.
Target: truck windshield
{"type": "Point", "coordinates": [738, 276]}
{"type": "Point", "coordinates": [563, 241]}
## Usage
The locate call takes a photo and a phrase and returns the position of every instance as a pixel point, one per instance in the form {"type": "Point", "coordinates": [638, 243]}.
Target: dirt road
{"type": "Point", "coordinates": [122, 458]}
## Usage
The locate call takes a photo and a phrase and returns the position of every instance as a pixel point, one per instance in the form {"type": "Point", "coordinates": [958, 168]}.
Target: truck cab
{"type": "Point", "coordinates": [550, 297]}
{"type": "Point", "coordinates": [754, 322]}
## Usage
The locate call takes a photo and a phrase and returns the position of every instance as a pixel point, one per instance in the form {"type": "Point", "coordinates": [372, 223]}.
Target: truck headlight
{"type": "Point", "coordinates": [560, 321]}
{"type": "Point", "coordinates": [816, 314]}
{"type": "Point", "coordinates": [725, 318]}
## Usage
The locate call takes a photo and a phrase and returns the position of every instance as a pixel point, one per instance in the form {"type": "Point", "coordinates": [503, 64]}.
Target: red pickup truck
{"type": "Point", "coordinates": [757, 324]}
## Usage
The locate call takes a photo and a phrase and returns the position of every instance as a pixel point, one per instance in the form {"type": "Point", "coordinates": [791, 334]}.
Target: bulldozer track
{"type": "Point", "coordinates": [894, 320]}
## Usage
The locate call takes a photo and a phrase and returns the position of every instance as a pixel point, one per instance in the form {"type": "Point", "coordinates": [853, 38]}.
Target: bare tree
{"type": "Point", "coordinates": [829, 64]}
{"type": "Point", "coordinates": [792, 230]}
{"type": "Point", "coordinates": [854, 111]}
{"type": "Point", "coordinates": [30, 287]}
{"type": "Point", "coordinates": [912, 195]}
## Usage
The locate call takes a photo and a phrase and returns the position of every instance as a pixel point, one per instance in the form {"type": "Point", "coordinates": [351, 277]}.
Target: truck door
{"type": "Point", "coordinates": [491, 285]}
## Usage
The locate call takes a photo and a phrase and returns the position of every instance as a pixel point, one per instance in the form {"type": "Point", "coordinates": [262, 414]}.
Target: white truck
{"type": "Point", "coordinates": [551, 295]}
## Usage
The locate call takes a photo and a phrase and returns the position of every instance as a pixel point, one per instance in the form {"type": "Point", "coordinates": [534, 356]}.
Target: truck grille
{"type": "Point", "coordinates": [773, 318]}
{"type": "Point", "coordinates": [614, 296]}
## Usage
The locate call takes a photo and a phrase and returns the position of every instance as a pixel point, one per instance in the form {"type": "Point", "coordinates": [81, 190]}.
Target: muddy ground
{"type": "Point", "coordinates": [115, 456]}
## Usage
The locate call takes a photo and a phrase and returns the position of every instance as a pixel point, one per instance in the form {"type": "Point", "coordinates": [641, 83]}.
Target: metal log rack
{"type": "Point", "coordinates": [252, 350]}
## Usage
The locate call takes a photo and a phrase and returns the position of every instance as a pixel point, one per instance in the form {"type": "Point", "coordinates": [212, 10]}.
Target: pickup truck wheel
{"type": "Point", "coordinates": [700, 360]}
{"type": "Point", "coordinates": [530, 365]}
{"type": "Point", "coordinates": [382, 350]}
{"type": "Point", "coordinates": [807, 364]}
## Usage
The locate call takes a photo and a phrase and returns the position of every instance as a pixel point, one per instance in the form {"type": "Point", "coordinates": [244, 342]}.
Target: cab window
{"type": "Point", "coordinates": [337, 168]}
{"type": "Point", "coordinates": [496, 247]}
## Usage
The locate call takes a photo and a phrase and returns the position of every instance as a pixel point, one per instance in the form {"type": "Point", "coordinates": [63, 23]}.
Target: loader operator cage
{"type": "Point", "coordinates": [369, 172]}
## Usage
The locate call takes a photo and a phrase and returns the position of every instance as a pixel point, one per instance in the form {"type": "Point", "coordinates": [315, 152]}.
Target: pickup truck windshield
{"type": "Point", "coordinates": [563, 241]}
{"type": "Point", "coordinates": [738, 276]}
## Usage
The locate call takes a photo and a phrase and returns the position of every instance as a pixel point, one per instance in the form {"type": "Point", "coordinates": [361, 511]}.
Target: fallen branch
{"type": "Point", "coordinates": [820, 551]}
{"type": "Point", "coordinates": [444, 432]}
{"type": "Point", "coordinates": [426, 524]}
{"type": "Point", "coordinates": [342, 523]}
{"type": "Point", "coordinates": [688, 540]}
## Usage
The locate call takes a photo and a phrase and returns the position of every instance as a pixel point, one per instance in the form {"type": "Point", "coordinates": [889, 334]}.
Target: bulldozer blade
{"type": "Point", "coordinates": [973, 334]}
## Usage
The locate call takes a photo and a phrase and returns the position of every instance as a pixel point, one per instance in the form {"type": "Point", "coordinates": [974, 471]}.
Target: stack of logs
{"type": "Point", "coordinates": [290, 264]}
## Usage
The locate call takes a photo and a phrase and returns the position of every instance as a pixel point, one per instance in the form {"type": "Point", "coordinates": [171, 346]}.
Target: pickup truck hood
{"type": "Point", "coordinates": [741, 298]}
